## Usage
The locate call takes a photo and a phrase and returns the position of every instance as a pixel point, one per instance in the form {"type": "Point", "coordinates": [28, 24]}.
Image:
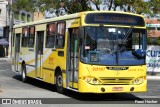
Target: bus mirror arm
{"type": "Point", "coordinates": [138, 53]}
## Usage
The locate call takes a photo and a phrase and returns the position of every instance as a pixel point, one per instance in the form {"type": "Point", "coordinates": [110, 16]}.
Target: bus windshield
{"type": "Point", "coordinates": [113, 46]}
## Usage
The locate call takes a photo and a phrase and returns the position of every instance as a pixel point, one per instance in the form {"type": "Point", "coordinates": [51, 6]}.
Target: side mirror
{"type": "Point", "coordinates": [139, 53]}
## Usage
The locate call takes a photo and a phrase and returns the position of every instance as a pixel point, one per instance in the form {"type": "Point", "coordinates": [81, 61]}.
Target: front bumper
{"type": "Point", "coordinates": [85, 87]}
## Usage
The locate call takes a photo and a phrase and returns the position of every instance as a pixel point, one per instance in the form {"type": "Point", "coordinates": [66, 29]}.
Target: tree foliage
{"type": "Point", "coordinates": [23, 5]}
{"type": "Point", "coordinates": [154, 7]}
{"type": "Point", "coordinates": [75, 6]}
{"type": "Point", "coordinates": [153, 40]}
{"type": "Point", "coordinates": [149, 7]}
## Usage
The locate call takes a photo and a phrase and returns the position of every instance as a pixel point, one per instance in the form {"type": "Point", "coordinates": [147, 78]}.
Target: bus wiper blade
{"type": "Point", "coordinates": [124, 39]}
{"type": "Point", "coordinates": [127, 34]}
{"type": "Point", "coordinates": [101, 26]}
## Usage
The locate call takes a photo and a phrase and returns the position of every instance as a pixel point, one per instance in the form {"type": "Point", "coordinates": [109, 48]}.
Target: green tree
{"type": "Point", "coordinates": [27, 5]}
{"type": "Point", "coordinates": [154, 7]}
{"type": "Point", "coordinates": [70, 6]}
{"type": "Point", "coordinates": [75, 6]}
{"type": "Point", "coordinates": [135, 6]}
{"type": "Point", "coordinates": [150, 7]}
{"type": "Point", "coordinates": [43, 5]}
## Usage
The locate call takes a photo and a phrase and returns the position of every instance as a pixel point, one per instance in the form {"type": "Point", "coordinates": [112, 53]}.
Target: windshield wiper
{"type": "Point", "coordinates": [101, 26]}
{"type": "Point", "coordinates": [127, 34]}
{"type": "Point", "coordinates": [124, 39]}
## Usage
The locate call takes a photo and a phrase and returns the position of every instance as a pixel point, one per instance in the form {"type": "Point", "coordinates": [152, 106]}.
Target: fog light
{"type": "Point", "coordinates": [132, 88]}
{"type": "Point", "coordinates": [102, 89]}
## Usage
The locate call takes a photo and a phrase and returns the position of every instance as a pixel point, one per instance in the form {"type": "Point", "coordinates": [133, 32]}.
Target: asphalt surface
{"type": "Point", "coordinates": [11, 86]}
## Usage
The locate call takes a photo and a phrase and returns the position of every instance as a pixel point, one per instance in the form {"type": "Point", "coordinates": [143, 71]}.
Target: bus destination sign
{"type": "Point", "coordinates": [114, 19]}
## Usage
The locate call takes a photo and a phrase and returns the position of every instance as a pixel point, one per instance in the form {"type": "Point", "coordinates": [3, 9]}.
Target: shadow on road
{"type": "Point", "coordinates": [82, 96]}
{"type": "Point", "coordinates": [102, 97]}
{"type": "Point", "coordinates": [37, 83]}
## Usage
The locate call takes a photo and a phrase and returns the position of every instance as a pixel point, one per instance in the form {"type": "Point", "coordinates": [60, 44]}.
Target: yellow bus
{"type": "Point", "coordinates": [87, 52]}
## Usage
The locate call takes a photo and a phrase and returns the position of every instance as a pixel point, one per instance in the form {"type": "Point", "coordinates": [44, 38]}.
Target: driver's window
{"type": "Point", "coordinates": [136, 40]}
{"type": "Point", "coordinates": [90, 43]}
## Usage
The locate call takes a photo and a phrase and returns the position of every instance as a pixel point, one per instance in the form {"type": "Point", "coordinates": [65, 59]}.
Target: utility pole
{"type": "Point", "coordinates": [11, 23]}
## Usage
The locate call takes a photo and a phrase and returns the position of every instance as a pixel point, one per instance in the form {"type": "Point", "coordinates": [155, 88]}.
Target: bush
{"type": "Point", "coordinates": [153, 41]}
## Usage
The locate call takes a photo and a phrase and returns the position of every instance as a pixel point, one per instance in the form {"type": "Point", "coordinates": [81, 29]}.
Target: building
{"type": "Point", "coordinates": [7, 20]}
{"type": "Point", "coordinates": [153, 26]}
{"type": "Point", "coordinates": [4, 16]}
{"type": "Point", "coordinates": [22, 17]}
{"type": "Point", "coordinates": [38, 16]}
{"type": "Point", "coordinates": [4, 27]}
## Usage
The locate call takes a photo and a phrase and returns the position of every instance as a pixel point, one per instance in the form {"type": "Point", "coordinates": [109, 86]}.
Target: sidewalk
{"type": "Point", "coordinates": [5, 59]}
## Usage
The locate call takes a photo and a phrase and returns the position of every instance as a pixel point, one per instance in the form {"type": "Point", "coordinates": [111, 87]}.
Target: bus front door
{"type": "Point", "coordinates": [73, 58]}
{"type": "Point", "coordinates": [17, 51]}
{"type": "Point", "coordinates": [39, 53]}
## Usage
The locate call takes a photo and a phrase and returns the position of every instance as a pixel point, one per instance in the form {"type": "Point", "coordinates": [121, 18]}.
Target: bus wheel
{"type": "Point", "coordinates": [24, 76]}
{"type": "Point", "coordinates": [59, 83]}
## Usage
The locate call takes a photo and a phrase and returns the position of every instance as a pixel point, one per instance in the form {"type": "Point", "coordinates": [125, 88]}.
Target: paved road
{"type": "Point", "coordinates": [12, 87]}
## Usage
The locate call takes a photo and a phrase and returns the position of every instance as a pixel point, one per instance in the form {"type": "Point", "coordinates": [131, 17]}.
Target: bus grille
{"type": "Point", "coordinates": [116, 80]}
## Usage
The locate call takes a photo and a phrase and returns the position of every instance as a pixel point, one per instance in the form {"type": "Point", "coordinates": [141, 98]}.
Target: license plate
{"type": "Point", "coordinates": [117, 89]}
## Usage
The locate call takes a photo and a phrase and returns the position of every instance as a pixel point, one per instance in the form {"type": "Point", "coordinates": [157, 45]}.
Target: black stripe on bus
{"type": "Point", "coordinates": [31, 65]}
{"type": "Point", "coordinates": [49, 69]}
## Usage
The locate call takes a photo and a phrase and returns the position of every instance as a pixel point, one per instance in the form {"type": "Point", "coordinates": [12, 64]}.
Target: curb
{"type": "Point", "coordinates": [153, 77]}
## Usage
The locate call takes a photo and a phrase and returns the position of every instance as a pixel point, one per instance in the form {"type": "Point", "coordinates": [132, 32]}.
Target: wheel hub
{"type": "Point", "coordinates": [59, 81]}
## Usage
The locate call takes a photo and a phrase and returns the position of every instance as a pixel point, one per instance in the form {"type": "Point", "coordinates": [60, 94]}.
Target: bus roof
{"type": "Point", "coordinates": [70, 16]}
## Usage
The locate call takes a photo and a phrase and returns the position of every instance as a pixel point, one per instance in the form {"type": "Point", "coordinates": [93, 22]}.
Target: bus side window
{"type": "Point", "coordinates": [25, 36]}
{"type": "Point", "coordinates": [60, 41]}
{"type": "Point", "coordinates": [31, 36]}
{"type": "Point", "coordinates": [60, 37]}
{"type": "Point", "coordinates": [50, 37]}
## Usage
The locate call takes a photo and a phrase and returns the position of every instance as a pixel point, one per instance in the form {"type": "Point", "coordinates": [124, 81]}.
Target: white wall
{"type": "Point", "coordinates": [4, 17]}
{"type": "Point", "coordinates": [153, 58]}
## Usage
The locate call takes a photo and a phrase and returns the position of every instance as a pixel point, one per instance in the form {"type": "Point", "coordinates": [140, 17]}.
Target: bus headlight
{"type": "Point", "coordinates": [139, 80]}
{"type": "Point", "coordinates": [91, 80]}
{"type": "Point", "coordinates": [94, 80]}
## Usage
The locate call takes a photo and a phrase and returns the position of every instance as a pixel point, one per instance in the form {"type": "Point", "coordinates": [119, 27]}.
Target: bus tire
{"type": "Point", "coordinates": [59, 83]}
{"type": "Point", "coordinates": [24, 75]}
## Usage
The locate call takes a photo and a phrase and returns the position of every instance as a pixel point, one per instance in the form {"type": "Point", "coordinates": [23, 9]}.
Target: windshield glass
{"type": "Point", "coordinates": [113, 46]}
